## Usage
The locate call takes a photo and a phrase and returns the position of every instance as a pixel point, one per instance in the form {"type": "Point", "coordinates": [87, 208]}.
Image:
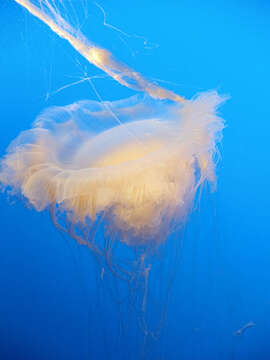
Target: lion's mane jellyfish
{"type": "Point", "coordinates": [132, 166]}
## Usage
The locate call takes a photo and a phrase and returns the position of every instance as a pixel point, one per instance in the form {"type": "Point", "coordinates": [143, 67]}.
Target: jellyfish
{"type": "Point", "coordinates": [131, 166]}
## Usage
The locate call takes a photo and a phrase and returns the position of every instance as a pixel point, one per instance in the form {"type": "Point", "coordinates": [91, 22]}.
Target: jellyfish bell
{"type": "Point", "coordinates": [142, 172]}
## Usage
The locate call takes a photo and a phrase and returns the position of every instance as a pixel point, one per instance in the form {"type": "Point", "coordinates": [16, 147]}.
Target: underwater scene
{"type": "Point", "coordinates": [134, 167]}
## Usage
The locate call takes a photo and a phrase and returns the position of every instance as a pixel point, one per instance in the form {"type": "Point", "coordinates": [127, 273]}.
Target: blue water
{"type": "Point", "coordinates": [51, 304]}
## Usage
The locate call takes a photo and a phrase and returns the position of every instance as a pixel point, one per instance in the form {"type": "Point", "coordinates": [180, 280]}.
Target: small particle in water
{"type": "Point", "coordinates": [243, 329]}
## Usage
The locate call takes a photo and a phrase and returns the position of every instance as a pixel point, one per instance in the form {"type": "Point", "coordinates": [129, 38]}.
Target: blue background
{"type": "Point", "coordinates": [49, 302]}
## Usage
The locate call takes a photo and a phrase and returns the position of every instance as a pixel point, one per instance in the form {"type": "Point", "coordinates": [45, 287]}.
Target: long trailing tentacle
{"type": "Point", "coordinates": [96, 55]}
